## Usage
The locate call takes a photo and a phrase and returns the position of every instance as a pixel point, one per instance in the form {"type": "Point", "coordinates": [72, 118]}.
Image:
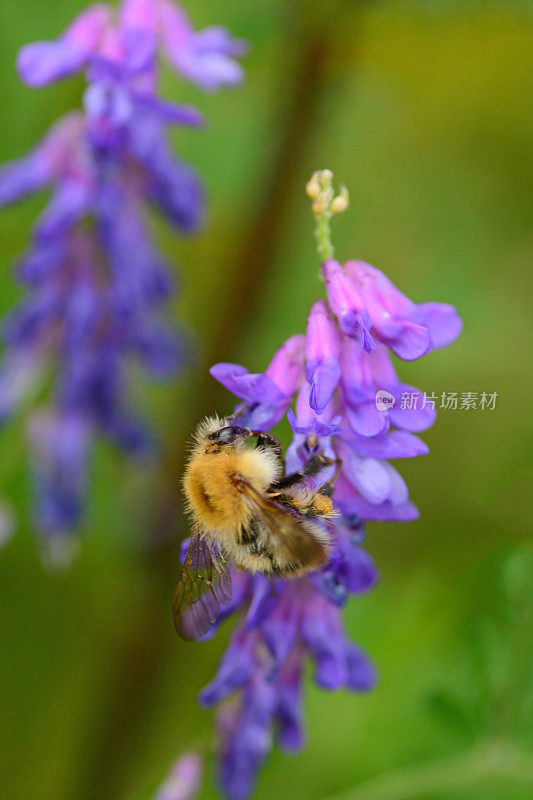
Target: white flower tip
{"type": "Point", "coordinates": [312, 186]}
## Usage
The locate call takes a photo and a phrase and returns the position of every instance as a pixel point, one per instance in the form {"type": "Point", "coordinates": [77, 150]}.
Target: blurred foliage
{"type": "Point", "coordinates": [424, 110]}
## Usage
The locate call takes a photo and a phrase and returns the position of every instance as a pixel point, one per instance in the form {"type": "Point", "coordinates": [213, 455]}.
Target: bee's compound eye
{"type": "Point", "coordinates": [227, 435]}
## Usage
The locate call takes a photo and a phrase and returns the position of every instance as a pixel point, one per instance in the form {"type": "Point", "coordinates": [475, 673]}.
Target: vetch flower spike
{"type": "Point", "coordinates": [333, 378]}
{"type": "Point", "coordinates": [97, 286]}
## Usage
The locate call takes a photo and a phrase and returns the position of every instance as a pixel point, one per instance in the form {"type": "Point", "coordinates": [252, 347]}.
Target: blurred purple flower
{"type": "Point", "coordinates": [97, 284]}
{"type": "Point", "coordinates": [335, 380]}
{"type": "Point", "coordinates": [206, 58]}
{"type": "Point", "coordinates": [203, 57]}
{"type": "Point", "coordinates": [60, 445]}
{"type": "Point", "coordinates": [184, 780]}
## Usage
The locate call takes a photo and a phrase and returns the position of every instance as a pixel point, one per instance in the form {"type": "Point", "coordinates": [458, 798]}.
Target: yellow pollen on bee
{"type": "Point", "coordinates": [322, 504]}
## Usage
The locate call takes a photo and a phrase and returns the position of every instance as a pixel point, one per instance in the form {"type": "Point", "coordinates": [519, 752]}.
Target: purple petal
{"type": "Point", "coordinates": [366, 420]}
{"type": "Point", "coordinates": [357, 570]}
{"type": "Point", "coordinates": [322, 347]}
{"type": "Point", "coordinates": [69, 203]}
{"type": "Point", "coordinates": [414, 419]}
{"type": "Point", "coordinates": [350, 502]}
{"type": "Point", "coordinates": [140, 276]}
{"type": "Point", "coordinates": [247, 739]}
{"type": "Point", "coordinates": [368, 475]}
{"type": "Point", "coordinates": [442, 321]}
{"type": "Point", "coordinates": [257, 388]}
{"type": "Point", "coordinates": [41, 63]}
{"type": "Point", "coordinates": [280, 628]}
{"type": "Point", "coordinates": [361, 671]}
{"type": "Point", "coordinates": [287, 365]}
{"type": "Point", "coordinates": [262, 416]}
{"type": "Point", "coordinates": [396, 444]}
{"type": "Point", "coordinates": [382, 299]}
{"type": "Point", "coordinates": [289, 706]}
{"type": "Point", "coordinates": [184, 781]}
{"type": "Point", "coordinates": [410, 342]}
{"type": "Point", "coordinates": [399, 494]}
{"type": "Point", "coordinates": [316, 425]}
{"type": "Point", "coordinates": [347, 304]}
{"type": "Point", "coordinates": [44, 62]}
{"type": "Point", "coordinates": [321, 633]}
{"type": "Point", "coordinates": [210, 71]}
{"type": "Point", "coordinates": [51, 157]}
{"type": "Point", "coordinates": [140, 14]}
{"type": "Point", "coordinates": [60, 452]}
{"type": "Point", "coordinates": [236, 667]}
{"type": "Point", "coordinates": [397, 320]}
{"type": "Point", "coordinates": [205, 58]}
{"type": "Point", "coordinates": [305, 418]}
{"type": "Point", "coordinates": [218, 38]}
{"type": "Point", "coordinates": [82, 312]}
{"type": "Point", "coordinates": [264, 598]}
{"type": "Point", "coordinates": [23, 177]}
{"type": "Point", "coordinates": [40, 263]}
{"type": "Point", "coordinates": [169, 113]}
{"type": "Point", "coordinates": [139, 53]}
{"type": "Point", "coordinates": [169, 183]}
{"type": "Point", "coordinates": [385, 511]}
{"type": "Point", "coordinates": [324, 380]}
{"type": "Point", "coordinates": [26, 325]}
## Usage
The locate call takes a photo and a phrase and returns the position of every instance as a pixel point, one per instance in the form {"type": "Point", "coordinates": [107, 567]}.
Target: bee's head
{"type": "Point", "coordinates": [230, 435]}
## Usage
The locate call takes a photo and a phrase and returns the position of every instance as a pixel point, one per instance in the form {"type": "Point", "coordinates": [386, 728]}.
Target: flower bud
{"type": "Point", "coordinates": [313, 186]}
{"type": "Point", "coordinates": [341, 202]}
{"type": "Point", "coordinates": [321, 204]}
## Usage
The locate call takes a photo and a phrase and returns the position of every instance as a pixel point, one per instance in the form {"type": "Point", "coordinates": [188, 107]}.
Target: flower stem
{"type": "Point", "coordinates": [323, 236]}
{"type": "Point", "coordinates": [325, 204]}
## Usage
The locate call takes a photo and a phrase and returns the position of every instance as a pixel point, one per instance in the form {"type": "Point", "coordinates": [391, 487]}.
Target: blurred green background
{"type": "Point", "coordinates": [423, 109]}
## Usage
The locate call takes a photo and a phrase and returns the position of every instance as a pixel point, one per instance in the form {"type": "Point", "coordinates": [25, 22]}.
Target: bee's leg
{"type": "Point", "coordinates": [267, 440]}
{"type": "Point", "coordinates": [328, 488]}
{"type": "Point", "coordinates": [248, 535]}
{"type": "Point", "coordinates": [316, 464]}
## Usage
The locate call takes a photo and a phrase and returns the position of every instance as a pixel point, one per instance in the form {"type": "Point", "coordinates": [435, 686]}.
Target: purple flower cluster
{"type": "Point", "coordinates": [96, 284]}
{"type": "Point", "coordinates": [333, 374]}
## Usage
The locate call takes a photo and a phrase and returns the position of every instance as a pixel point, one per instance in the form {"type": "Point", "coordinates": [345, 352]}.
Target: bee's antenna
{"type": "Point", "coordinates": [238, 411]}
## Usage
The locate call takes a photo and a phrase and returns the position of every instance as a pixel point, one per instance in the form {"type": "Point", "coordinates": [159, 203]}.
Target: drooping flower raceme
{"type": "Point", "coordinates": [333, 376]}
{"type": "Point", "coordinates": [96, 283]}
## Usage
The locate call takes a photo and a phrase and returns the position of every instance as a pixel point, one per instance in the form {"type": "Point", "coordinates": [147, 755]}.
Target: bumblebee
{"type": "Point", "coordinates": [246, 510]}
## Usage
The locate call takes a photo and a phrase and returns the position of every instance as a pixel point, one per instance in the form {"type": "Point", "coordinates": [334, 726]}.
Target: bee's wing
{"type": "Point", "coordinates": [293, 541]}
{"type": "Point", "coordinates": [204, 585]}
